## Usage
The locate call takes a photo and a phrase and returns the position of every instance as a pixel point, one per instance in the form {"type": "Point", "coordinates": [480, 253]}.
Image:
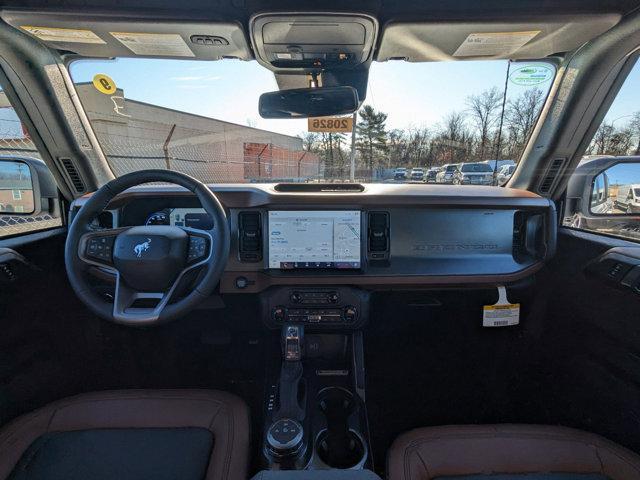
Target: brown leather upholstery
{"type": "Point", "coordinates": [427, 453]}
{"type": "Point", "coordinates": [223, 414]}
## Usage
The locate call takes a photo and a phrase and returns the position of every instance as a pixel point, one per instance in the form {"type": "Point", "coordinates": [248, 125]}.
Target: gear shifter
{"type": "Point", "coordinates": [292, 338]}
{"type": "Point", "coordinates": [285, 437]}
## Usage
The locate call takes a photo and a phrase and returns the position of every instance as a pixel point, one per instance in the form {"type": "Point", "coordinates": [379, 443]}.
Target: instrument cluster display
{"type": "Point", "coordinates": [182, 217]}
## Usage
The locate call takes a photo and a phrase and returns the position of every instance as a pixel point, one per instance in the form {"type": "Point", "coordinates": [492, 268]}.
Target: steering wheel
{"type": "Point", "coordinates": [151, 263]}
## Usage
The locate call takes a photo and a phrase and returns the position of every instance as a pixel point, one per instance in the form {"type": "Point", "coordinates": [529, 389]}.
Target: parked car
{"type": "Point", "coordinates": [400, 174]}
{"type": "Point", "coordinates": [504, 173]}
{"type": "Point", "coordinates": [431, 174]}
{"type": "Point", "coordinates": [473, 174]}
{"type": "Point", "coordinates": [498, 164]}
{"type": "Point", "coordinates": [628, 198]}
{"type": "Point", "coordinates": [445, 175]}
{"type": "Point", "coordinates": [417, 174]}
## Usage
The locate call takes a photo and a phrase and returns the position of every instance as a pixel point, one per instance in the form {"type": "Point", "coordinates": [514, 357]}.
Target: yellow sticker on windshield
{"type": "Point", "coordinates": [104, 84]}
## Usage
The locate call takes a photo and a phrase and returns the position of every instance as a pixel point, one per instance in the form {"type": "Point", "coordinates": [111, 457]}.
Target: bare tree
{"type": "Point", "coordinates": [634, 126]}
{"type": "Point", "coordinates": [521, 115]}
{"type": "Point", "coordinates": [620, 142]}
{"type": "Point", "coordinates": [309, 141]}
{"type": "Point", "coordinates": [483, 109]}
{"type": "Point", "coordinates": [602, 139]}
{"type": "Point", "coordinates": [453, 140]}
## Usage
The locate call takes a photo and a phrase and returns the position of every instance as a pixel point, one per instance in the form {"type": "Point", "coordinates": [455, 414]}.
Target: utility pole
{"type": "Point", "coordinates": [352, 170]}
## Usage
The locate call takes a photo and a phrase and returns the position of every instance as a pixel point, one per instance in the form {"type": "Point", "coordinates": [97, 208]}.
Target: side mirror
{"type": "Point", "coordinates": [308, 102]}
{"type": "Point", "coordinates": [603, 195]}
{"type": "Point", "coordinates": [16, 188]}
{"type": "Point", "coordinates": [616, 191]}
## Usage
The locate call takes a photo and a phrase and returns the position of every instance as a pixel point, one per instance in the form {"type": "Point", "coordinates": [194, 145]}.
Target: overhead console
{"type": "Point", "coordinates": [292, 43]}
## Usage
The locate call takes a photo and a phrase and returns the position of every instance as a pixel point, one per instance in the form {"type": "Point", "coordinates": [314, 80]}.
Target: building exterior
{"type": "Point", "coordinates": [137, 135]}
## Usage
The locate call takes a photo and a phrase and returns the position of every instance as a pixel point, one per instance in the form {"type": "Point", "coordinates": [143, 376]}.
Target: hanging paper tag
{"type": "Point", "coordinates": [503, 313]}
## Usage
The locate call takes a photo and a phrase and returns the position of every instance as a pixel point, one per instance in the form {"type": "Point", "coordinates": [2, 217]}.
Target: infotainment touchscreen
{"type": "Point", "coordinates": [314, 239]}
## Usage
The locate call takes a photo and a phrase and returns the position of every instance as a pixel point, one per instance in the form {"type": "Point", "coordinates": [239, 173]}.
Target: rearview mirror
{"type": "Point", "coordinates": [616, 191]}
{"type": "Point", "coordinates": [16, 188]}
{"type": "Point", "coordinates": [308, 102]}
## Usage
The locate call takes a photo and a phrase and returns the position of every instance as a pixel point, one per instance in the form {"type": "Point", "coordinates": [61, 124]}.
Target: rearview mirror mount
{"type": "Point", "coordinates": [309, 102]}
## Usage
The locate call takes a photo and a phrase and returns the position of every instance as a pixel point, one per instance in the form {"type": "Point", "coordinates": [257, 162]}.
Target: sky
{"type": "Point", "coordinates": [412, 94]}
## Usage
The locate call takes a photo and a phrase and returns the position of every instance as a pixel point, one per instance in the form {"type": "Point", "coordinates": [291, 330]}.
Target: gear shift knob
{"type": "Point", "coordinates": [292, 340]}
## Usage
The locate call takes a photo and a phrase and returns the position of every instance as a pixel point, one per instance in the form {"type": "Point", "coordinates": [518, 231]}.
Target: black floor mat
{"type": "Point", "coordinates": [430, 362]}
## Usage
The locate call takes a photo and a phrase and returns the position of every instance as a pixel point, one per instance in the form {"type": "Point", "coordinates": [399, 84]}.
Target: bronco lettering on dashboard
{"type": "Point", "coordinates": [454, 247]}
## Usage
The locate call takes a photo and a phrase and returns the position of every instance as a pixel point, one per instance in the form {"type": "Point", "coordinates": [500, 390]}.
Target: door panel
{"type": "Point", "coordinates": [591, 339]}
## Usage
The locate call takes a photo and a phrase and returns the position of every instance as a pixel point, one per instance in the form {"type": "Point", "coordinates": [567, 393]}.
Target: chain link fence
{"type": "Point", "coordinates": [136, 136]}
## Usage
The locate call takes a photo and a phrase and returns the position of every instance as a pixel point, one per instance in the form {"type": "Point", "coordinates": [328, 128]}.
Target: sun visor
{"type": "Point", "coordinates": [534, 38]}
{"type": "Point", "coordinates": [103, 36]}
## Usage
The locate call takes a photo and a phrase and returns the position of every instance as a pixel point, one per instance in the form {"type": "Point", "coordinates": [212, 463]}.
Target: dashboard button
{"type": "Point", "coordinates": [350, 313]}
{"type": "Point", "coordinates": [242, 282]}
{"type": "Point", "coordinates": [278, 314]}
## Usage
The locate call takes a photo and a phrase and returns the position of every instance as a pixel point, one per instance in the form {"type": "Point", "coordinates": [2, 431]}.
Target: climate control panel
{"type": "Point", "coordinates": [320, 308]}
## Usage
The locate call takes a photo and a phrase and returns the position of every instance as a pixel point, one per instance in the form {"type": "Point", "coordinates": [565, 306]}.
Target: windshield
{"type": "Point", "coordinates": [637, 192]}
{"type": "Point", "coordinates": [476, 167]}
{"type": "Point", "coordinates": [202, 118]}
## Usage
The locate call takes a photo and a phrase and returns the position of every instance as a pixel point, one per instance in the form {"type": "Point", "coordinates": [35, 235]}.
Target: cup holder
{"type": "Point", "coordinates": [338, 446]}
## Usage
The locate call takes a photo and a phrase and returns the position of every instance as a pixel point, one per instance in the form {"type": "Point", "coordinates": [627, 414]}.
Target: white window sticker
{"type": "Point", "coordinates": [493, 44]}
{"type": "Point", "coordinates": [503, 313]}
{"type": "Point", "coordinates": [50, 34]}
{"type": "Point", "coordinates": [163, 44]}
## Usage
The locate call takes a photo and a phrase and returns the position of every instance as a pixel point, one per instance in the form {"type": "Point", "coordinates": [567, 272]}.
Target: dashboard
{"type": "Point", "coordinates": [379, 236]}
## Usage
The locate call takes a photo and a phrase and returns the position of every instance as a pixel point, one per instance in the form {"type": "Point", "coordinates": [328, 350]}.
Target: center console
{"type": "Point", "coordinates": [315, 414]}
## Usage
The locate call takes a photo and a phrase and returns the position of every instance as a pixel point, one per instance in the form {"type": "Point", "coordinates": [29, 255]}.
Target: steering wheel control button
{"type": "Point", "coordinates": [285, 437]}
{"type": "Point", "coordinates": [100, 248]}
{"type": "Point", "coordinates": [197, 248]}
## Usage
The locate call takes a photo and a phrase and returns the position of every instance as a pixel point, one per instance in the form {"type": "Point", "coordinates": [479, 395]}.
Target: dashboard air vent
{"type": "Point", "coordinates": [378, 236]}
{"type": "Point", "coordinates": [250, 232]}
{"type": "Point", "coordinates": [73, 175]}
{"type": "Point", "coordinates": [319, 187]}
{"type": "Point", "coordinates": [528, 228]}
{"type": "Point", "coordinates": [551, 175]}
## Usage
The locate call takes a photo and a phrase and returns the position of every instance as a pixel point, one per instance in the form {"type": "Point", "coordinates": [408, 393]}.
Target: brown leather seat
{"type": "Point", "coordinates": [218, 416]}
{"type": "Point", "coordinates": [450, 451]}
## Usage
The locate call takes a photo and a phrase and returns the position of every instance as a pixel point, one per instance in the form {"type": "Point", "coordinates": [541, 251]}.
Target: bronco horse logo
{"type": "Point", "coordinates": [142, 247]}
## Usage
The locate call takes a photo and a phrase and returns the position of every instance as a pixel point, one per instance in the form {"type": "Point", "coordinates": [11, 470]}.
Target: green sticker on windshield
{"type": "Point", "coordinates": [531, 75]}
